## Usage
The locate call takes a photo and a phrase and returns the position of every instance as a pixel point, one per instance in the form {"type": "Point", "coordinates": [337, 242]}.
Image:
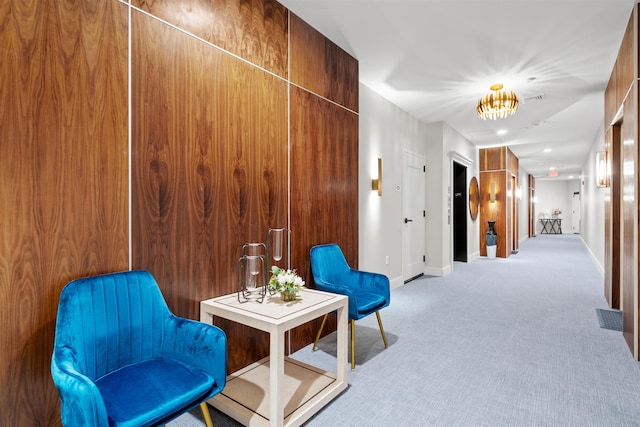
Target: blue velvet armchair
{"type": "Point", "coordinates": [368, 292]}
{"type": "Point", "coordinates": [121, 358]}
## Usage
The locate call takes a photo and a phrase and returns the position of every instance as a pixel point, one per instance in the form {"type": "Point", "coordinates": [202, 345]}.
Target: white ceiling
{"type": "Point", "coordinates": [436, 58]}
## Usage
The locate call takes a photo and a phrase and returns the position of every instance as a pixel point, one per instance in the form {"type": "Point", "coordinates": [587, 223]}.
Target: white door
{"type": "Point", "coordinates": [413, 215]}
{"type": "Point", "coordinates": [575, 213]}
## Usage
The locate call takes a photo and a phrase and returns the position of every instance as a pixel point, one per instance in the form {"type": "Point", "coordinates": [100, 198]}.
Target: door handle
{"type": "Point", "coordinates": [406, 220]}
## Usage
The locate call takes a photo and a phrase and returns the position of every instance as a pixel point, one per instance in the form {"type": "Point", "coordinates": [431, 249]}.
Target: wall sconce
{"type": "Point", "coordinates": [602, 169]}
{"type": "Point", "coordinates": [376, 184]}
{"type": "Point", "coordinates": [492, 192]}
{"type": "Point", "coordinates": [519, 192]}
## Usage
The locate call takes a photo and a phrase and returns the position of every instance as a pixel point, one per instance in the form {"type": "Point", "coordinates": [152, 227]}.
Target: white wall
{"type": "Point", "coordinates": [592, 204]}
{"type": "Point", "coordinates": [436, 203]}
{"type": "Point", "coordinates": [556, 194]}
{"type": "Point", "coordinates": [385, 131]}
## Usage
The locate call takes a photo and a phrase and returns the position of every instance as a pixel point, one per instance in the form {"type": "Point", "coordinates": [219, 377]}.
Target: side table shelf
{"type": "Point", "coordinates": [246, 396]}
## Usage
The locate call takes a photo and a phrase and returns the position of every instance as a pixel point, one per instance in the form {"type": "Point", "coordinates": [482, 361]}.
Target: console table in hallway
{"type": "Point", "coordinates": [551, 225]}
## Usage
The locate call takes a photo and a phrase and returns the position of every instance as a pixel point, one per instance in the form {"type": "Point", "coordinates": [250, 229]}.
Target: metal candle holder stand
{"type": "Point", "coordinates": [252, 273]}
{"type": "Point", "coordinates": [252, 265]}
{"type": "Point", "coordinates": [275, 243]}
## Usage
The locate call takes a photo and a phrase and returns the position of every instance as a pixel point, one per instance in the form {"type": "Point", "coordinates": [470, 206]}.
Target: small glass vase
{"type": "Point", "coordinates": [287, 296]}
{"type": "Point", "coordinates": [491, 236]}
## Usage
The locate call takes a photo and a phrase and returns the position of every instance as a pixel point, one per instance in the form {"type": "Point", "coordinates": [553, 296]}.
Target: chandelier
{"type": "Point", "coordinates": [498, 104]}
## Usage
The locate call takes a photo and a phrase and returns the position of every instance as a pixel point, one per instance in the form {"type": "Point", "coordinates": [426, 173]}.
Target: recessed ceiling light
{"type": "Point", "coordinates": [547, 150]}
{"type": "Point", "coordinates": [502, 132]}
{"type": "Point", "coordinates": [552, 168]}
{"type": "Point", "coordinates": [570, 176]}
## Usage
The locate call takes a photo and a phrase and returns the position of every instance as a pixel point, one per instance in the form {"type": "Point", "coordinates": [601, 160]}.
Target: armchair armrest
{"type": "Point", "coordinates": [374, 282]}
{"type": "Point", "coordinates": [200, 345]}
{"type": "Point", "coordinates": [323, 285]}
{"type": "Point", "coordinates": [81, 401]}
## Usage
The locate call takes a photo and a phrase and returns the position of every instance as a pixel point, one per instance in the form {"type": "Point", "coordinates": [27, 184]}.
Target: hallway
{"type": "Point", "coordinates": [504, 342]}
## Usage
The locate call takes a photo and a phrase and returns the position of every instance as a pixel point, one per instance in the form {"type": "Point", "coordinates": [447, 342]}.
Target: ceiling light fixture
{"type": "Point", "coordinates": [498, 104]}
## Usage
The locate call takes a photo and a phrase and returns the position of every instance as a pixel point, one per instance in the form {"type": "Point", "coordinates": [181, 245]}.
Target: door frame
{"type": "Point", "coordinates": [460, 219]}
{"type": "Point", "coordinates": [463, 160]}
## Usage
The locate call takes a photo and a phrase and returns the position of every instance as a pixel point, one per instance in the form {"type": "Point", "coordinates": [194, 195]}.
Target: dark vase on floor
{"type": "Point", "coordinates": [492, 236]}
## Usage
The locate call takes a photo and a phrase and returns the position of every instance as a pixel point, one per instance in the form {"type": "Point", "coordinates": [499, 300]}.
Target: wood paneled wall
{"type": "Point", "coordinates": [324, 153]}
{"type": "Point", "coordinates": [213, 160]}
{"type": "Point", "coordinates": [498, 166]}
{"type": "Point", "coordinates": [210, 163]}
{"type": "Point", "coordinates": [621, 236]}
{"type": "Point", "coordinates": [321, 67]}
{"type": "Point", "coordinates": [63, 179]}
{"type": "Point", "coordinates": [255, 30]}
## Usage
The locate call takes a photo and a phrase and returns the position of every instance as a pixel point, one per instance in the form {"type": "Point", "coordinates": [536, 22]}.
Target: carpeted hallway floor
{"type": "Point", "coordinates": [512, 342]}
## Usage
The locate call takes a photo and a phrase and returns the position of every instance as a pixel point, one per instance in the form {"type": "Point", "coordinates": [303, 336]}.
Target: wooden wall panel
{"type": "Point", "coordinates": [512, 162]}
{"type": "Point", "coordinates": [210, 162]}
{"type": "Point", "coordinates": [621, 226]}
{"type": "Point", "coordinates": [610, 102]}
{"type": "Point", "coordinates": [499, 165]}
{"type": "Point", "coordinates": [496, 211]}
{"type": "Point", "coordinates": [492, 159]}
{"type": "Point", "coordinates": [629, 262]}
{"type": "Point", "coordinates": [63, 179]}
{"type": "Point", "coordinates": [320, 66]}
{"type": "Point", "coordinates": [324, 171]}
{"type": "Point", "coordinates": [624, 65]}
{"type": "Point", "coordinates": [324, 182]}
{"type": "Point", "coordinates": [255, 30]}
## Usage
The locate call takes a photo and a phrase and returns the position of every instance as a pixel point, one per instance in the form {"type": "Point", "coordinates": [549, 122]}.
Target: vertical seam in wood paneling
{"type": "Point", "coordinates": [288, 119]}
{"type": "Point", "coordinates": [289, 148]}
{"type": "Point", "coordinates": [129, 135]}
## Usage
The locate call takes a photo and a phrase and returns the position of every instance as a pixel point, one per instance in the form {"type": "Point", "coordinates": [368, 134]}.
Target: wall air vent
{"type": "Point", "coordinates": [534, 98]}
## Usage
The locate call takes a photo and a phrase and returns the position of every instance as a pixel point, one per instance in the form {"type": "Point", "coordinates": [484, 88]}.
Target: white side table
{"type": "Point", "coordinates": [301, 389]}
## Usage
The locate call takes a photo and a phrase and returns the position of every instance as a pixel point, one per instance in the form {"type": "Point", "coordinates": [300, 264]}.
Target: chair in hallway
{"type": "Point", "coordinates": [121, 358]}
{"type": "Point", "coordinates": [368, 292]}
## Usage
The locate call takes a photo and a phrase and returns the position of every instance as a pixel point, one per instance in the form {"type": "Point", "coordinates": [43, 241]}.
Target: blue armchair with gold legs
{"type": "Point", "coordinates": [368, 292]}
{"type": "Point", "coordinates": [121, 358]}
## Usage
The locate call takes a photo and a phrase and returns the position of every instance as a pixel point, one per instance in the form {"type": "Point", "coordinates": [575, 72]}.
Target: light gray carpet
{"type": "Point", "coordinates": [496, 343]}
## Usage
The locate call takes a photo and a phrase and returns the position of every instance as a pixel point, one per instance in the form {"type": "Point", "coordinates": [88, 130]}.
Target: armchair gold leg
{"type": "Point", "coordinates": [353, 345]}
{"type": "Point", "coordinates": [205, 414]}
{"type": "Point", "coordinates": [384, 338]}
{"type": "Point", "coordinates": [315, 344]}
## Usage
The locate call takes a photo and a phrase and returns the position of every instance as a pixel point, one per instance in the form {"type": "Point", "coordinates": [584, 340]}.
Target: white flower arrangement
{"type": "Point", "coordinates": [285, 280]}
